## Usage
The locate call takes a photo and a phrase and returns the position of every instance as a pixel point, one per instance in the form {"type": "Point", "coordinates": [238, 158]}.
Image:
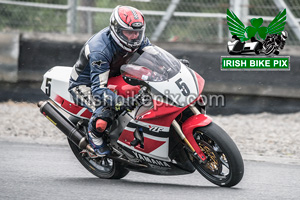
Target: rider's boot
{"type": "Point", "coordinates": [98, 144]}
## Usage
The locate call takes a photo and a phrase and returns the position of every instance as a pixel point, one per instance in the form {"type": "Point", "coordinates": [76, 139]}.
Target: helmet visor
{"type": "Point", "coordinates": [132, 37]}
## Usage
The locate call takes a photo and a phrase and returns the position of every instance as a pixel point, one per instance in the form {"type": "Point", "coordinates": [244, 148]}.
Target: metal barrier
{"type": "Point", "coordinates": [167, 20]}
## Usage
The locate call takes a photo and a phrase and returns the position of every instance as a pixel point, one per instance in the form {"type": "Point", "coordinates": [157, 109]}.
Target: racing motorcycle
{"type": "Point", "coordinates": [274, 43]}
{"type": "Point", "coordinates": [169, 132]}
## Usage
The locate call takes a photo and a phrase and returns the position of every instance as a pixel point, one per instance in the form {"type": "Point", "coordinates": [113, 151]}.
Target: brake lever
{"type": "Point", "coordinates": [141, 92]}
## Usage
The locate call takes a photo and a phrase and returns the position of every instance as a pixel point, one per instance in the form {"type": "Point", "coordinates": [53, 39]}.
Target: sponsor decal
{"type": "Point", "coordinates": [98, 63]}
{"type": "Point", "coordinates": [156, 129]}
{"type": "Point", "coordinates": [49, 118]}
{"type": "Point", "coordinates": [151, 160]}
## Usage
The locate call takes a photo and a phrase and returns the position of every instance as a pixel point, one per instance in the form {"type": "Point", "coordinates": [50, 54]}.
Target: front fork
{"type": "Point", "coordinates": [197, 153]}
{"type": "Point", "coordinates": [186, 133]}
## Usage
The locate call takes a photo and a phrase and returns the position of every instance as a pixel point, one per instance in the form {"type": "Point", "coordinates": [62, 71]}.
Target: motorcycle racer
{"type": "Point", "coordinates": [164, 136]}
{"type": "Point", "coordinates": [276, 42]}
{"type": "Point", "coordinates": [101, 58]}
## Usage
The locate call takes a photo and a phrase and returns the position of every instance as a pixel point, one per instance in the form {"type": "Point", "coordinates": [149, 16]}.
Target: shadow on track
{"type": "Point", "coordinates": [135, 184]}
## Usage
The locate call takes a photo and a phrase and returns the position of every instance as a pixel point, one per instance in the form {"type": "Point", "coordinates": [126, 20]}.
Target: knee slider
{"type": "Point", "coordinates": [103, 120]}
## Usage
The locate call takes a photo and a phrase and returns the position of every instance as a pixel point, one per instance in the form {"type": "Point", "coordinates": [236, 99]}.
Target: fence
{"type": "Point", "coordinates": [167, 20]}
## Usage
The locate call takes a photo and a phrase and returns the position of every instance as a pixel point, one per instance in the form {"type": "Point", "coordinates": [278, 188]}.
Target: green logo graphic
{"type": "Point", "coordinates": [237, 28]}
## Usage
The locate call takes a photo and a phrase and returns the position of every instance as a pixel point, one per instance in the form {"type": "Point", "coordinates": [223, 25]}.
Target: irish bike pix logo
{"type": "Point", "coordinates": [256, 47]}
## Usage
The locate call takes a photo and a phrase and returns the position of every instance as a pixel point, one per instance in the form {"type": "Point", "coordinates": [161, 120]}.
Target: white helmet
{"type": "Point", "coordinates": [284, 35]}
{"type": "Point", "coordinates": [127, 27]}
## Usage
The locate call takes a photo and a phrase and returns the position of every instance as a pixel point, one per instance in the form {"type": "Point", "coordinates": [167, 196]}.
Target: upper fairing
{"type": "Point", "coordinates": [181, 89]}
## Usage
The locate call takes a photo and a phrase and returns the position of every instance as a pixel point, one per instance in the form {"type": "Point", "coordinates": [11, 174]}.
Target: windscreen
{"type": "Point", "coordinates": [154, 64]}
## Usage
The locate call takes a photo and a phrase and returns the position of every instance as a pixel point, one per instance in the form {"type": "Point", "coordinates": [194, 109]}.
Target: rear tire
{"type": "Point", "coordinates": [258, 48]}
{"type": "Point", "coordinates": [224, 165]}
{"type": "Point", "coordinates": [101, 167]}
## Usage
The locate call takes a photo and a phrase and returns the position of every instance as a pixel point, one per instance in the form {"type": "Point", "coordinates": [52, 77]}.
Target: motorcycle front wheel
{"type": "Point", "coordinates": [269, 49]}
{"type": "Point", "coordinates": [101, 167]}
{"type": "Point", "coordinates": [224, 166]}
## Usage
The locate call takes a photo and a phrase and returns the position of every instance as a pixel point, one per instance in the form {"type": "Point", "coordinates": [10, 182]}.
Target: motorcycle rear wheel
{"type": "Point", "coordinates": [101, 167]}
{"type": "Point", "coordinates": [224, 165]}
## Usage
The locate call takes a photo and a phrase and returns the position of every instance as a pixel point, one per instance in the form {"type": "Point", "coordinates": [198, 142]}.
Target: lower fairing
{"type": "Point", "coordinates": [179, 165]}
{"type": "Point", "coordinates": [157, 170]}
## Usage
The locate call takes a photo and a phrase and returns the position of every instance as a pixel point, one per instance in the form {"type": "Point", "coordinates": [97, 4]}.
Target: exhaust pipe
{"type": "Point", "coordinates": [64, 124]}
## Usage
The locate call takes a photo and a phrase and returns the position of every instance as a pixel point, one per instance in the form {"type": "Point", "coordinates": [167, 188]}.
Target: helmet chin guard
{"type": "Point", "coordinates": [127, 27]}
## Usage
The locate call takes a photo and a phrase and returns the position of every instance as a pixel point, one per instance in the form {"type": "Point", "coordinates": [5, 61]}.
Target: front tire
{"type": "Point", "coordinates": [101, 167]}
{"type": "Point", "coordinates": [269, 49]}
{"type": "Point", "coordinates": [224, 165]}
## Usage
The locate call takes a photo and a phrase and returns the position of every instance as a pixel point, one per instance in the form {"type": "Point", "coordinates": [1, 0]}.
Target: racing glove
{"type": "Point", "coordinates": [185, 62]}
{"type": "Point", "coordinates": [125, 104]}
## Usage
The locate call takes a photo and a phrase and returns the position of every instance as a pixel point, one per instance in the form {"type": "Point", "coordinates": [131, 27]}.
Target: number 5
{"type": "Point", "coordinates": [48, 86]}
{"type": "Point", "coordinates": [183, 87]}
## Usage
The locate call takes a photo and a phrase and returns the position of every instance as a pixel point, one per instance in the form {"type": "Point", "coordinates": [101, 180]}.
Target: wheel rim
{"type": "Point", "coordinates": [269, 49]}
{"type": "Point", "coordinates": [217, 166]}
{"type": "Point", "coordinates": [213, 165]}
{"type": "Point", "coordinates": [102, 164]}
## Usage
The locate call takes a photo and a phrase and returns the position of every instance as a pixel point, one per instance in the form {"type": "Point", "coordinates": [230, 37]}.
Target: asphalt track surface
{"type": "Point", "coordinates": [33, 171]}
